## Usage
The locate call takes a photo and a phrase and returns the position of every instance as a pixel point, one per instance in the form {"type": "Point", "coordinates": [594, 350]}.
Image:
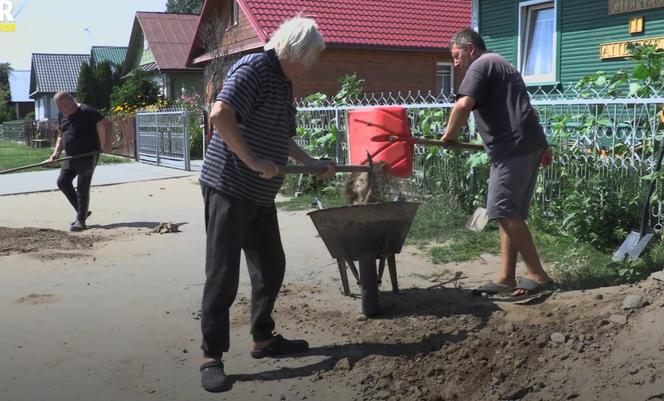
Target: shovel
{"type": "Point", "coordinates": [637, 241]}
{"type": "Point", "coordinates": [46, 162]}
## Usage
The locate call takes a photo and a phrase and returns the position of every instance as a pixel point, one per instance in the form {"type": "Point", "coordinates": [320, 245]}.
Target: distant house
{"type": "Point", "coordinates": [160, 42]}
{"type": "Point", "coordinates": [52, 73]}
{"type": "Point", "coordinates": [19, 90]}
{"type": "Point", "coordinates": [114, 55]}
{"type": "Point", "coordinates": [395, 45]}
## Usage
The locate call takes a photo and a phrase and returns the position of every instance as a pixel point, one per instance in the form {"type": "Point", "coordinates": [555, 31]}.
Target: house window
{"type": "Point", "coordinates": [234, 13]}
{"type": "Point", "coordinates": [444, 79]}
{"type": "Point", "coordinates": [537, 41]}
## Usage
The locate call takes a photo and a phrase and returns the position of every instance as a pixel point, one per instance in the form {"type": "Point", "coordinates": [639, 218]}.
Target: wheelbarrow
{"type": "Point", "coordinates": [366, 233]}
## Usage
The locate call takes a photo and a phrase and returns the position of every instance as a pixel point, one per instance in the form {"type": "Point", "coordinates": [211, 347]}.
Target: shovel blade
{"type": "Point", "coordinates": [478, 220]}
{"type": "Point", "coordinates": [632, 247]}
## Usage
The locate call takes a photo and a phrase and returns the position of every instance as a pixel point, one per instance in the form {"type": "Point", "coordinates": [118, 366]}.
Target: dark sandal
{"type": "Point", "coordinates": [281, 347]}
{"type": "Point", "coordinates": [532, 287]}
{"type": "Point", "coordinates": [491, 288]}
{"type": "Point", "coordinates": [213, 377]}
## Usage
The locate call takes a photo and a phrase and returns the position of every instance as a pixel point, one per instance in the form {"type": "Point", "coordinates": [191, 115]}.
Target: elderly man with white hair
{"type": "Point", "coordinates": [254, 119]}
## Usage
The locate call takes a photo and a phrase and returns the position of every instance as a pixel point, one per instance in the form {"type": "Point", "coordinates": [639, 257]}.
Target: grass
{"type": "Point", "coordinates": [438, 231]}
{"type": "Point", "coordinates": [14, 154]}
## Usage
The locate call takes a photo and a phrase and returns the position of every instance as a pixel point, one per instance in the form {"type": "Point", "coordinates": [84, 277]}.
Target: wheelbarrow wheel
{"type": "Point", "coordinates": [369, 284]}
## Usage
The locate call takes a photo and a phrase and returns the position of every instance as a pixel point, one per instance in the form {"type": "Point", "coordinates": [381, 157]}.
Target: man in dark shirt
{"type": "Point", "coordinates": [515, 142]}
{"type": "Point", "coordinates": [254, 117]}
{"type": "Point", "coordinates": [79, 134]}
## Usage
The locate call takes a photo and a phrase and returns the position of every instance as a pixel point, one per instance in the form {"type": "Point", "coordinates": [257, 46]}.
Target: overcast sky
{"type": "Point", "coordinates": [58, 26]}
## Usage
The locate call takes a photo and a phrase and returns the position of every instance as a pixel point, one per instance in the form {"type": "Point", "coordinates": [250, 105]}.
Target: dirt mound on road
{"type": "Point", "coordinates": [444, 344]}
{"type": "Point", "coordinates": [34, 240]}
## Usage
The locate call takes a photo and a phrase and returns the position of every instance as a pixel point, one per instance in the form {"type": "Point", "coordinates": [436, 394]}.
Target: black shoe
{"type": "Point", "coordinates": [86, 216]}
{"type": "Point", "coordinates": [281, 347]}
{"type": "Point", "coordinates": [78, 226]}
{"type": "Point", "coordinates": [213, 378]}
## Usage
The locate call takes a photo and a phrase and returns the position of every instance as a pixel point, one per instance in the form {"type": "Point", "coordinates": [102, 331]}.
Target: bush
{"type": "Point", "coordinates": [136, 92]}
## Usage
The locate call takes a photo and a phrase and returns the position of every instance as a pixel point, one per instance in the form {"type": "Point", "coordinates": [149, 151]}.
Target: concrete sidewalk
{"type": "Point", "coordinates": [21, 183]}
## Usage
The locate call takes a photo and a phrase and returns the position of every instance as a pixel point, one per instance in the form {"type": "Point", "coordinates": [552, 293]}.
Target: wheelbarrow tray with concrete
{"type": "Point", "coordinates": [366, 233]}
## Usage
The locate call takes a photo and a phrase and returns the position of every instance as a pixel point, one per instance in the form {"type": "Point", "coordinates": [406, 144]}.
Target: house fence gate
{"type": "Point", "coordinates": [162, 139]}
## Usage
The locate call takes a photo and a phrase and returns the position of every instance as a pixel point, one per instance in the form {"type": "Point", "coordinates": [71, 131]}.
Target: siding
{"type": "Point", "coordinates": [584, 25]}
{"type": "Point", "coordinates": [498, 27]}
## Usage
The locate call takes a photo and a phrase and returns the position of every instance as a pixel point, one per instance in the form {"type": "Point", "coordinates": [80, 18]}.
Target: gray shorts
{"type": "Point", "coordinates": [511, 186]}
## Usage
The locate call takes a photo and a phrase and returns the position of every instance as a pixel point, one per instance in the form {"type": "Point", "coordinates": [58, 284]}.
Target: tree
{"type": "Point", "coordinates": [87, 86]}
{"type": "Point", "coordinates": [137, 91]}
{"type": "Point", "coordinates": [184, 6]}
{"type": "Point", "coordinates": [105, 82]}
{"type": "Point", "coordinates": [5, 109]}
{"type": "Point", "coordinates": [4, 74]}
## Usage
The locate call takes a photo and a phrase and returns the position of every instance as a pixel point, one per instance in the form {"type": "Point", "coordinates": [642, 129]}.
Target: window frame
{"type": "Point", "coordinates": [451, 65]}
{"type": "Point", "coordinates": [523, 32]}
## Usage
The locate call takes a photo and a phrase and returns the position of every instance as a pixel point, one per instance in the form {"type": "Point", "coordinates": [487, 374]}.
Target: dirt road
{"type": "Point", "coordinates": [112, 314]}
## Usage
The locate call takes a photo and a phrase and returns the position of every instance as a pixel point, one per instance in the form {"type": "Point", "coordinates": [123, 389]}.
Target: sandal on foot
{"type": "Point", "coordinates": [281, 347]}
{"type": "Point", "coordinates": [213, 378]}
{"type": "Point", "coordinates": [532, 288]}
{"type": "Point", "coordinates": [491, 288]}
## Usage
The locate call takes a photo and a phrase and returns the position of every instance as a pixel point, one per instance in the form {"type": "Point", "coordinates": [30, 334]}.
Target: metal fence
{"type": "Point", "coordinates": [162, 138]}
{"type": "Point", "coordinates": [13, 131]}
{"type": "Point", "coordinates": [594, 135]}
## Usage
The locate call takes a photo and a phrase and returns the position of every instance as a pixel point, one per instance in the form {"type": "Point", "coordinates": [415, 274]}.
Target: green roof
{"type": "Point", "coordinates": [112, 54]}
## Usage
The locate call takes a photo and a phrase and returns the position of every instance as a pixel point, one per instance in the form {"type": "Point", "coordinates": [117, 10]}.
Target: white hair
{"type": "Point", "coordinates": [297, 39]}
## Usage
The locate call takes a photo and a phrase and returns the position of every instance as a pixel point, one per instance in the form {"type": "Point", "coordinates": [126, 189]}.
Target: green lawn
{"type": "Point", "coordinates": [14, 154]}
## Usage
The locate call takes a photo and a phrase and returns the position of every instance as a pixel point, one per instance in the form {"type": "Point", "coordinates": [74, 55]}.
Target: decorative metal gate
{"type": "Point", "coordinates": [162, 139]}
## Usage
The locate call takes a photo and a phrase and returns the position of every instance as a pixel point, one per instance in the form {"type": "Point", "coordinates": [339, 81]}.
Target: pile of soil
{"type": "Point", "coordinates": [440, 343]}
{"type": "Point", "coordinates": [35, 240]}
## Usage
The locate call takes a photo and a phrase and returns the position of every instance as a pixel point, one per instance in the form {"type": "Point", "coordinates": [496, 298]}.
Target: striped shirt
{"type": "Point", "coordinates": [262, 97]}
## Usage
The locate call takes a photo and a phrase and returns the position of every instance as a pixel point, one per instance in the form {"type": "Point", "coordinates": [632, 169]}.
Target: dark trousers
{"type": "Point", "coordinates": [233, 225]}
{"type": "Point", "coordinates": [79, 197]}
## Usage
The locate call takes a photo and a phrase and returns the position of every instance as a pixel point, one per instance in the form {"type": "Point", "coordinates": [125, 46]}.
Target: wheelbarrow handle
{"type": "Point", "coordinates": [11, 170]}
{"type": "Point", "coordinates": [319, 169]}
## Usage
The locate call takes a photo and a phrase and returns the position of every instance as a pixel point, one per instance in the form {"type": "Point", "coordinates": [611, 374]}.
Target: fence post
{"type": "Point", "coordinates": [137, 137]}
{"type": "Point", "coordinates": [338, 139]}
{"type": "Point", "coordinates": [187, 161]}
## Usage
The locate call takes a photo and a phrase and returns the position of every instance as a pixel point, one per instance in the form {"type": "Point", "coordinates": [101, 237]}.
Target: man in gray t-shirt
{"type": "Point", "coordinates": [494, 90]}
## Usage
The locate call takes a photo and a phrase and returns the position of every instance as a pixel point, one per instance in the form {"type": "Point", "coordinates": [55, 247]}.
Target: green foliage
{"type": "Point", "coordinates": [4, 74]}
{"type": "Point", "coordinates": [29, 116]}
{"type": "Point", "coordinates": [95, 85]}
{"type": "Point", "coordinates": [86, 91]}
{"type": "Point", "coordinates": [351, 88]}
{"type": "Point", "coordinates": [184, 6]}
{"type": "Point", "coordinates": [6, 112]}
{"type": "Point", "coordinates": [139, 90]}
{"type": "Point", "coordinates": [105, 81]}
{"type": "Point", "coordinates": [321, 136]}
{"type": "Point", "coordinates": [194, 106]}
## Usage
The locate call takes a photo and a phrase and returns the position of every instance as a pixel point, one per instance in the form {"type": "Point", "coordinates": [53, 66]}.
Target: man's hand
{"type": "Point", "coordinates": [53, 157]}
{"type": "Point", "coordinates": [330, 169]}
{"type": "Point", "coordinates": [448, 138]}
{"type": "Point", "coordinates": [266, 168]}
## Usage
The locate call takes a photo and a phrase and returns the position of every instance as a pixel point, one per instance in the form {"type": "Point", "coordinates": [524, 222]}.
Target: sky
{"type": "Point", "coordinates": [58, 26]}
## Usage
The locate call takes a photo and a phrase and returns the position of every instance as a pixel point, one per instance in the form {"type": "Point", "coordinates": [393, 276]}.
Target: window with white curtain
{"type": "Point", "coordinates": [444, 78]}
{"type": "Point", "coordinates": [537, 41]}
